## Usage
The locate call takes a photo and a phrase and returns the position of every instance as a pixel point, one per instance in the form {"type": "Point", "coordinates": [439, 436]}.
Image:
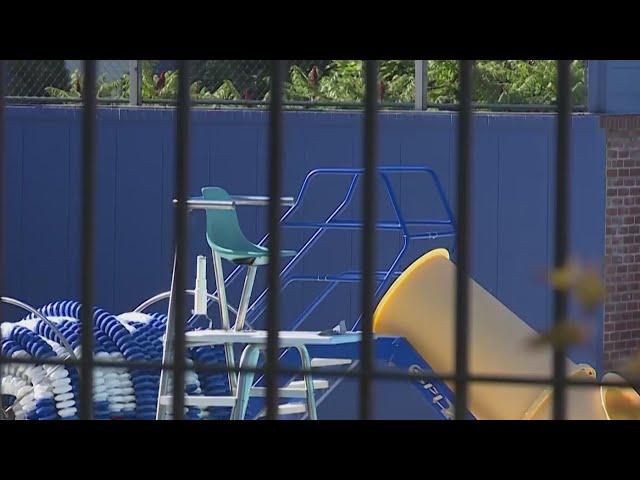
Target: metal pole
{"type": "Point", "coordinates": [88, 230]}
{"type": "Point", "coordinates": [596, 83]}
{"type": "Point", "coordinates": [135, 83]}
{"type": "Point", "coordinates": [463, 220]}
{"type": "Point", "coordinates": [182, 163]}
{"type": "Point", "coordinates": [421, 84]}
{"type": "Point", "coordinates": [369, 200]}
{"type": "Point", "coordinates": [2, 190]}
{"type": "Point", "coordinates": [60, 338]}
{"type": "Point", "coordinates": [562, 229]}
{"type": "Point", "coordinates": [273, 269]}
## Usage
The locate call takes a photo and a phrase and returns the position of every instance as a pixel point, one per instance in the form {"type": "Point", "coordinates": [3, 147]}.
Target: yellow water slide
{"type": "Point", "coordinates": [420, 306]}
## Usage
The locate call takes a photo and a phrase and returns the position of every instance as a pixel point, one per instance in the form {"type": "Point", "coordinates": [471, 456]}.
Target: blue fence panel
{"type": "Point", "coordinates": [46, 177]}
{"type": "Point", "coordinates": [614, 86]}
{"type": "Point", "coordinates": [512, 198]}
{"type": "Point", "coordinates": [524, 223]}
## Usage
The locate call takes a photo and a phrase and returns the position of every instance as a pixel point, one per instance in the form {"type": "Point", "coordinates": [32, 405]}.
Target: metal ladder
{"type": "Point", "coordinates": [322, 387]}
{"type": "Point", "coordinates": [240, 384]}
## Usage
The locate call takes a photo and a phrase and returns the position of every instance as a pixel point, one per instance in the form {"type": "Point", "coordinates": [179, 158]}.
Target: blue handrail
{"type": "Point", "coordinates": [400, 224]}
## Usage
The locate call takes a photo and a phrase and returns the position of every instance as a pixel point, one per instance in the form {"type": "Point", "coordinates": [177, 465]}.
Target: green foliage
{"type": "Point", "coordinates": [226, 91]}
{"type": "Point", "coordinates": [341, 81]}
{"type": "Point", "coordinates": [504, 81]}
{"type": "Point", "coordinates": [246, 76]}
{"type": "Point", "coordinates": [154, 86]}
{"type": "Point", "coordinates": [397, 80]}
{"type": "Point", "coordinates": [29, 78]}
{"type": "Point", "coordinates": [507, 81]}
{"type": "Point", "coordinates": [250, 78]}
{"type": "Point", "coordinates": [105, 89]}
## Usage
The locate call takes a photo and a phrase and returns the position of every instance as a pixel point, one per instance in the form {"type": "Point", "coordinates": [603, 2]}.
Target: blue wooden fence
{"type": "Point", "coordinates": [513, 210]}
{"type": "Point", "coordinates": [614, 86]}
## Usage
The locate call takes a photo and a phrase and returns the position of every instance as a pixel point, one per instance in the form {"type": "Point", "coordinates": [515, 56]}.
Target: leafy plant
{"type": "Point", "coordinates": [343, 79]}
{"type": "Point", "coordinates": [300, 86]}
{"type": "Point", "coordinates": [104, 88]}
{"type": "Point", "coordinates": [397, 81]}
{"type": "Point", "coordinates": [226, 91]}
{"type": "Point", "coordinates": [504, 81]}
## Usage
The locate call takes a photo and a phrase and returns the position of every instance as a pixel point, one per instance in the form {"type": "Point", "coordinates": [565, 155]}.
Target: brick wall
{"type": "Point", "coordinates": [622, 239]}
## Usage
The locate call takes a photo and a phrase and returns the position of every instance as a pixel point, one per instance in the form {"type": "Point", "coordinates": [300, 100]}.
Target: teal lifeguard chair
{"type": "Point", "coordinates": [226, 239]}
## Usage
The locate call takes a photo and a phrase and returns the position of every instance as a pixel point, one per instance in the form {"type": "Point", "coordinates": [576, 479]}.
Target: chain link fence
{"type": "Point", "coordinates": [30, 78]}
{"type": "Point", "coordinates": [61, 80]}
{"type": "Point", "coordinates": [246, 82]}
{"type": "Point", "coordinates": [504, 84]}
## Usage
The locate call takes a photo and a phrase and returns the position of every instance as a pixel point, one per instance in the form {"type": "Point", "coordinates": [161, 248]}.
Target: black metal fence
{"type": "Point", "coordinates": [367, 371]}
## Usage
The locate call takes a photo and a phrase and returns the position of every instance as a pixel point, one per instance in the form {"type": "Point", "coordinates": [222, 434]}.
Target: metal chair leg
{"type": "Point", "coordinates": [249, 359]}
{"type": "Point", "coordinates": [245, 297]}
{"type": "Point", "coordinates": [162, 411]}
{"type": "Point", "coordinates": [224, 316]}
{"type": "Point", "coordinates": [308, 381]}
{"type": "Point", "coordinates": [222, 292]}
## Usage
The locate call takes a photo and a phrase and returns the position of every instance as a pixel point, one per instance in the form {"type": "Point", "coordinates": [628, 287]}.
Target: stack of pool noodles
{"type": "Point", "coordinates": [49, 392]}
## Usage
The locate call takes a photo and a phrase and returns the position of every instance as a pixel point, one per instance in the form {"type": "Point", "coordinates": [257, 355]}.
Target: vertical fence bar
{"type": "Point", "coordinates": [563, 132]}
{"type": "Point", "coordinates": [421, 84]}
{"type": "Point", "coordinates": [180, 236]}
{"type": "Point", "coordinates": [89, 114]}
{"type": "Point", "coordinates": [273, 269]}
{"type": "Point", "coordinates": [135, 83]}
{"type": "Point", "coordinates": [370, 151]}
{"type": "Point", "coordinates": [462, 241]}
{"type": "Point", "coordinates": [2, 93]}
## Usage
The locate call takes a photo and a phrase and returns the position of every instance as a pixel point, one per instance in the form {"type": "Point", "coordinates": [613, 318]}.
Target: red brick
{"type": "Point", "coordinates": [621, 335]}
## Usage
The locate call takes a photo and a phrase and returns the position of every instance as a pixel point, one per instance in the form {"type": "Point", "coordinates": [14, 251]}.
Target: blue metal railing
{"type": "Point", "coordinates": [400, 224]}
{"type": "Point", "coordinates": [441, 228]}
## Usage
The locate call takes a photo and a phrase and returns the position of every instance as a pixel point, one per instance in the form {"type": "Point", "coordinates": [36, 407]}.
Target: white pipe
{"type": "Point", "coordinates": [200, 292]}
